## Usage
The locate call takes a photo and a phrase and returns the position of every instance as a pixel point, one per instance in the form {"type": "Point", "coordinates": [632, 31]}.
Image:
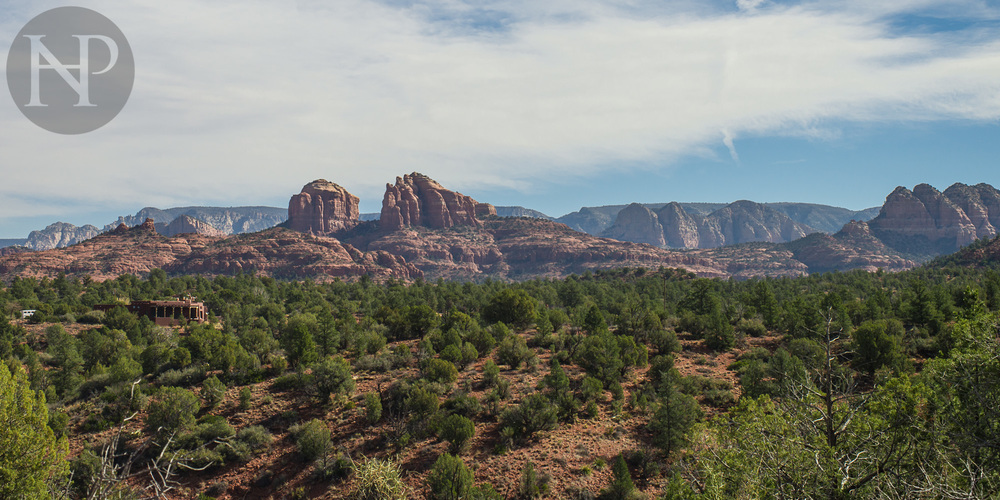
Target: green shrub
{"type": "Point", "coordinates": [312, 439]}
{"type": "Point", "coordinates": [333, 376]}
{"type": "Point", "coordinates": [535, 413]}
{"type": "Point", "coordinates": [440, 371]}
{"type": "Point", "coordinates": [292, 382]}
{"type": "Point", "coordinates": [514, 351]}
{"type": "Point", "coordinates": [532, 484]}
{"type": "Point", "coordinates": [511, 306]}
{"type": "Point", "coordinates": [751, 327]}
{"type": "Point", "coordinates": [452, 353]}
{"type": "Point", "coordinates": [491, 373]}
{"type": "Point", "coordinates": [245, 396]}
{"type": "Point", "coordinates": [255, 436]}
{"type": "Point", "coordinates": [482, 340]}
{"type": "Point", "coordinates": [457, 430]}
{"type": "Point", "coordinates": [463, 404]}
{"type": "Point", "coordinates": [173, 409]}
{"type": "Point", "coordinates": [670, 424]}
{"type": "Point", "coordinates": [184, 377]}
{"type": "Point", "coordinates": [450, 479]}
{"type": "Point", "coordinates": [213, 391]}
{"type": "Point", "coordinates": [373, 407]}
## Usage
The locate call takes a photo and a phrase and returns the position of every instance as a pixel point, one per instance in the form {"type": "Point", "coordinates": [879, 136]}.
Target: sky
{"type": "Point", "coordinates": [551, 105]}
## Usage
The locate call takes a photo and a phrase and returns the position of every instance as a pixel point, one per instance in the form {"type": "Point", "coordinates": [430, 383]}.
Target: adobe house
{"type": "Point", "coordinates": [164, 312]}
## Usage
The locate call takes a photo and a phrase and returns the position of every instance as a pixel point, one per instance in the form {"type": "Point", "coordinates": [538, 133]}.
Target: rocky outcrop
{"type": "Point", "coordinates": [638, 224]}
{"type": "Point", "coordinates": [228, 220]}
{"type": "Point", "coordinates": [738, 222]}
{"type": "Point", "coordinates": [745, 222]}
{"type": "Point", "coordinates": [322, 208]}
{"type": "Point", "coordinates": [59, 235]}
{"type": "Point", "coordinates": [926, 222]}
{"type": "Point", "coordinates": [825, 218]}
{"type": "Point", "coordinates": [516, 211]}
{"type": "Point", "coordinates": [418, 200]}
{"type": "Point", "coordinates": [276, 252]}
{"type": "Point", "coordinates": [285, 254]}
{"type": "Point", "coordinates": [981, 204]}
{"type": "Point", "coordinates": [680, 229]}
{"type": "Point", "coordinates": [188, 225]}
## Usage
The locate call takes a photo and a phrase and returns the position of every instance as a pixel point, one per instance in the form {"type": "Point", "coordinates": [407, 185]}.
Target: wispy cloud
{"type": "Point", "coordinates": [238, 102]}
{"type": "Point", "coordinates": [727, 139]}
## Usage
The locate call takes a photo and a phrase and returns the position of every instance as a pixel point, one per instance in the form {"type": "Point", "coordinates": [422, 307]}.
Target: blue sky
{"type": "Point", "coordinates": [550, 105]}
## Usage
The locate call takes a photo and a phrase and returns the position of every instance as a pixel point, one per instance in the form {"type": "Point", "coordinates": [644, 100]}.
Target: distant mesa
{"type": "Point", "coordinates": [673, 226]}
{"type": "Point", "coordinates": [418, 200]}
{"type": "Point", "coordinates": [323, 207]}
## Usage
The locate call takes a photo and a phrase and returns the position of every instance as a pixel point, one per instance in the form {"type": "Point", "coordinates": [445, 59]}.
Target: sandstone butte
{"type": "Point", "coordinates": [418, 200]}
{"type": "Point", "coordinates": [322, 207]}
{"type": "Point", "coordinates": [926, 221]}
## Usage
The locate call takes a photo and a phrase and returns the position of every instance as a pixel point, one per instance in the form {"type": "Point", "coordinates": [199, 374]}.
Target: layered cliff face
{"type": "Point", "coordinates": [275, 252]}
{"type": "Point", "coordinates": [322, 208]}
{"type": "Point", "coordinates": [638, 224]}
{"type": "Point", "coordinates": [418, 200]}
{"type": "Point", "coordinates": [738, 222]}
{"type": "Point", "coordinates": [927, 222]}
{"type": "Point", "coordinates": [60, 234]}
{"type": "Point", "coordinates": [680, 229]}
{"type": "Point", "coordinates": [186, 224]}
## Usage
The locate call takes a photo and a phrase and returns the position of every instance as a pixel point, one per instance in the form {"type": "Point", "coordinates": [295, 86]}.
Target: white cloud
{"type": "Point", "coordinates": [239, 102]}
{"type": "Point", "coordinates": [748, 4]}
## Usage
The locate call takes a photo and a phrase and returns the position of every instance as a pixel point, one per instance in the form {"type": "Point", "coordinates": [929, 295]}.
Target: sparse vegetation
{"type": "Point", "coordinates": [398, 366]}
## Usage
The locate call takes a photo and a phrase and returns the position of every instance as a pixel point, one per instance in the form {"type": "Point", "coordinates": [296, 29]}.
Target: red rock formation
{"type": "Point", "coordinates": [923, 221]}
{"type": "Point", "coordinates": [418, 200]}
{"type": "Point", "coordinates": [981, 203]}
{"type": "Point", "coordinates": [322, 208]}
{"type": "Point", "coordinates": [274, 252]}
{"type": "Point", "coordinates": [148, 226]}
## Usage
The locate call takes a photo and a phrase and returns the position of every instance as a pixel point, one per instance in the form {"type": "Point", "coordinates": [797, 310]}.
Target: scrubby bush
{"type": "Point", "coordinates": [532, 484]}
{"type": "Point", "coordinates": [463, 404]}
{"type": "Point", "coordinates": [751, 328]}
{"type": "Point", "coordinates": [256, 437]}
{"type": "Point", "coordinates": [511, 306]}
{"type": "Point", "coordinates": [373, 407]}
{"type": "Point", "coordinates": [440, 371]}
{"type": "Point", "coordinates": [450, 479]}
{"type": "Point", "coordinates": [535, 413]}
{"type": "Point", "coordinates": [333, 376]}
{"type": "Point", "coordinates": [212, 391]}
{"type": "Point", "coordinates": [312, 439]}
{"type": "Point", "coordinates": [457, 430]}
{"type": "Point", "coordinates": [514, 351]}
{"type": "Point", "coordinates": [173, 409]}
{"type": "Point", "coordinates": [491, 373]}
